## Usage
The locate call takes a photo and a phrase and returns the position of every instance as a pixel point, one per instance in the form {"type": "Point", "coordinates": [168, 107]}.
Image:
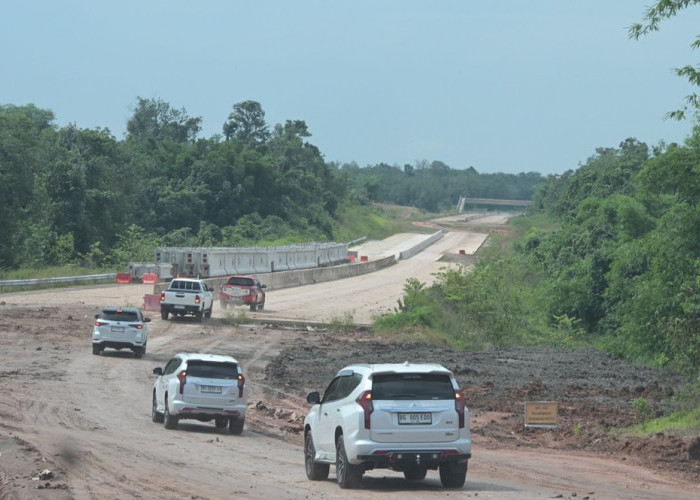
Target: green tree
{"type": "Point", "coordinates": [247, 123]}
{"type": "Point", "coordinates": [154, 120]}
{"type": "Point", "coordinates": [665, 9]}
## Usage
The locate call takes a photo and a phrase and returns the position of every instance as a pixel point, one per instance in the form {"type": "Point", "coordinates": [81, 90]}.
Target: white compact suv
{"type": "Point", "coordinates": [120, 328]}
{"type": "Point", "coordinates": [203, 387]}
{"type": "Point", "coordinates": [405, 417]}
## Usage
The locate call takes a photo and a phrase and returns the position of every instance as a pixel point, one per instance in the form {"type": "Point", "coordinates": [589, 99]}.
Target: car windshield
{"type": "Point", "coordinates": [212, 369]}
{"type": "Point", "coordinates": [119, 316]}
{"type": "Point", "coordinates": [240, 281]}
{"type": "Point", "coordinates": [418, 386]}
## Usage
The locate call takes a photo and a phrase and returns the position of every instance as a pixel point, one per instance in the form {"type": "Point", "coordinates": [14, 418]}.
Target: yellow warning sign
{"type": "Point", "coordinates": [541, 413]}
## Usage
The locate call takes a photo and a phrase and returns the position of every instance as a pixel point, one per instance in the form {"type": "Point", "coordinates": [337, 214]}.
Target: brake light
{"type": "Point", "coordinates": [365, 401]}
{"type": "Point", "coordinates": [138, 326]}
{"type": "Point", "coordinates": [100, 323]}
{"type": "Point", "coordinates": [162, 297]}
{"type": "Point", "coordinates": [241, 383]}
{"type": "Point", "coordinates": [197, 300]}
{"type": "Point", "coordinates": [182, 377]}
{"type": "Point", "coordinates": [460, 404]}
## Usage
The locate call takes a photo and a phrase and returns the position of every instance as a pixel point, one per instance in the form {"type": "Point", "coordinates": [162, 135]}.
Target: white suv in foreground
{"type": "Point", "coordinates": [405, 417]}
{"type": "Point", "coordinates": [203, 387]}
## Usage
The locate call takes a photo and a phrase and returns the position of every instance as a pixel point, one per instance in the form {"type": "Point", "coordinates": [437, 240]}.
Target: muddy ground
{"type": "Point", "coordinates": [595, 392]}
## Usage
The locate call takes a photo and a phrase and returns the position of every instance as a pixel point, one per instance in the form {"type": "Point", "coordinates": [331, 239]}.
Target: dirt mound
{"type": "Point", "coordinates": [595, 391]}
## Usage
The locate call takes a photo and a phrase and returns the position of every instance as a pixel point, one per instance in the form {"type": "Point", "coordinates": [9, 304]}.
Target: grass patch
{"type": "Point", "coordinates": [236, 318]}
{"type": "Point", "coordinates": [685, 423]}
{"type": "Point", "coordinates": [376, 221]}
{"type": "Point", "coordinates": [343, 323]}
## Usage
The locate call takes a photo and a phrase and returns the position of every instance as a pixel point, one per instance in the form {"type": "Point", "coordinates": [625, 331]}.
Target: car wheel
{"type": "Point", "coordinates": [164, 314]}
{"type": "Point", "coordinates": [415, 473]}
{"type": "Point", "coordinates": [169, 420]}
{"type": "Point", "coordinates": [453, 474]}
{"type": "Point", "coordinates": [253, 306]}
{"type": "Point", "coordinates": [261, 306]}
{"type": "Point", "coordinates": [156, 416]}
{"type": "Point", "coordinates": [198, 316]}
{"type": "Point", "coordinates": [221, 422]}
{"type": "Point", "coordinates": [314, 470]}
{"type": "Point", "coordinates": [208, 313]}
{"type": "Point", "coordinates": [235, 425]}
{"type": "Point", "coordinates": [347, 474]}
{"type": "Point", "coordinates": [96, 349]}
{"type": "Point", "coordinates": [138, 352]}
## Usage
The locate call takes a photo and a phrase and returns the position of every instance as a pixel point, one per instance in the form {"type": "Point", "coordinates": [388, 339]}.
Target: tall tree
{"type": "Point", "coordinates": [155, 120]}
{"type": "Point", "coordinates": [246, 123]}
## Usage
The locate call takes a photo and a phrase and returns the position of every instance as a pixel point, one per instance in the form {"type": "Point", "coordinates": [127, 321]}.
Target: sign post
{"type": "Point", "coordinates": [541, 414]}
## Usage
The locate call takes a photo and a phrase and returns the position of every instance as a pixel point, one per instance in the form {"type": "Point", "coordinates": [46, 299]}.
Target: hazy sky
{"type": "Point", "coordinates": [502, 86]}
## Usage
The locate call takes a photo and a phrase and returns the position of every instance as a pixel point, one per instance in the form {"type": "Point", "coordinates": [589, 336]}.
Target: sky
{"type": "Point", "coordinates": [500, 85]}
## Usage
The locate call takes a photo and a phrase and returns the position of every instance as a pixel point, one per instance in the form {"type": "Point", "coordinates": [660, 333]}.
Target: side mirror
{"type": "Point", "coordinates": [263, 286]}
{"type": "Point", "coordinates": [146, 320]}
{"type": "Point", "coordinates": [158, 371]}
{"type": "Point", "coordinates": [97, 316]}
{"type": "Point", "coordinates": [313, 397]}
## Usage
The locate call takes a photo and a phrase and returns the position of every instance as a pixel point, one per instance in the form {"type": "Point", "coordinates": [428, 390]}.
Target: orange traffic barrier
{"type": "Point", "coordinates": [124, 278]}
{"type": "Point", "coordinates": [151, 302]}
{"type": "Point", "coordinates": [149, 278]}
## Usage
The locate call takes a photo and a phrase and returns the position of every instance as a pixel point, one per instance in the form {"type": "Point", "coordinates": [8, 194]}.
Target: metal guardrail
{"type": "Point", "coordinates": [63, 279]}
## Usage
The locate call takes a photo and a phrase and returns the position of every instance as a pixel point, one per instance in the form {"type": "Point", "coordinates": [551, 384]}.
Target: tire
{"type": "Point", "coordinates": [208, 312]}
{"type": "Point", "coordinates": [235, 425]}
{"type": "Point", "coordinates": [416, 473]}
{"type": "Point", "coordinates": [199, 315]}
{"type": "Point", "coordinates": [348, 475]}
{"type": "Point", "coordinates": [169, 420]}
{"type": "Point", "coordinates": [253, 306]}
{"type": "Point", "coordinates": [156, 416]}
{"type": "Point", "coordinates": [138, 352]}
{"type": "Point", "coordinates": [453, 474]}
{"type": "Point", "coordinates": [96, 349]}
{"type": "Point", "coordinates": [261, 306]}
{"type": "Point", "coordinates": [164, 313]}
{"type": "Point", "coordinates": [221, 422]}
{"type": "Point", "coordinates": [314, 471]}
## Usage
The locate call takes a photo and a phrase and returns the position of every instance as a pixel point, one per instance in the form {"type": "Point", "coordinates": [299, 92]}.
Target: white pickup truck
{"type": "Point", "coordinates": [187, 296]}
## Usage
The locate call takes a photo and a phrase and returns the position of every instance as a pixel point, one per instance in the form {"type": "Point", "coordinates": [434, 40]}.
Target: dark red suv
{"type": "Point", "coordinates": [242, 290]}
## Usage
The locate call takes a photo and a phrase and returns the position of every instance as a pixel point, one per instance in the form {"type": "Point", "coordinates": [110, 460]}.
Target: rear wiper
{"type": "Point", "coordinates": [402, 396]}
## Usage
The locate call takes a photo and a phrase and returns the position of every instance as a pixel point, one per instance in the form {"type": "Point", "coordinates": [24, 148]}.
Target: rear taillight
{"type": "Point", "coordinates": [197, 299]}
{"type": "Point", "coordinates": [138, 326]}
{"type": "Point", "coordinates": [241, 383]}
{"type": "Point", "coordinates": [162, 297]}
{"type": "Point", "coordinates": [460, 404]}
{"type": "Point", "coordinates": [182, 378]}
{"type": "Point", "coordinates": [100, 323]}
{"type": "Point", "coordinates": [365, 401]}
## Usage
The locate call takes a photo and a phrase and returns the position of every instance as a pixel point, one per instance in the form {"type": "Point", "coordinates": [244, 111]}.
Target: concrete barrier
{"type": "Point", "coordinates": [292, 278]}
{"type": "Point", "coordinates": [407, 254]}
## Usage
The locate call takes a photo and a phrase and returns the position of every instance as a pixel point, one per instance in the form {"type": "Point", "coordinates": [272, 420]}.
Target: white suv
{"type": "Point", "coordinates": [405, 417]}
{"type": "Point", "coordinates": [203, 387]}
{"type": "Point", "coordinates": [120, 328]}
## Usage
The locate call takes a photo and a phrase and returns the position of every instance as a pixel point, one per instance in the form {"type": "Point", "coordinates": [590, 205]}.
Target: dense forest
{"type": "Point", "coordinates": [76, 196]}
{"type": "Point", "coordinates": [612, 260]}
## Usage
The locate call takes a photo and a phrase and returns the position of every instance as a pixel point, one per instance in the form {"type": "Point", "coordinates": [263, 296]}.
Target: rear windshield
{"type": "Point", "coordinates": [119, 316]}
{"type": "Point", "coordinates": [419, 386]}
{"type": "Point", "coordinates": [211, 369]}
{"type": "Point", "coordinates": [240, 281]}
{"type": "Point", "coordinates": [185, 285]}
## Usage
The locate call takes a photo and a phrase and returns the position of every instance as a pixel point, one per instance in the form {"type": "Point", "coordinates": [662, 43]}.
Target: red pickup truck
{"type": "Point", "coordinates": [242, 290]}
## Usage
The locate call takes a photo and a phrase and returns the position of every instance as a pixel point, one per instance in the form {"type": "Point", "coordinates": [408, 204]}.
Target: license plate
{"type": "Point", "coordinates": [179, 307]}
{"type": "Point", "coordinates": [118, 329]}
{"type": "Point", "coordinates": [215, 389]}
{"type": "Point", "coordinates": [415, 418]}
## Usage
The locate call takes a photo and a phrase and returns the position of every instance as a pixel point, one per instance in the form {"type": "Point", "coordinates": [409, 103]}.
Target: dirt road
{"type": "Point", "coordinates": [75, 425]}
